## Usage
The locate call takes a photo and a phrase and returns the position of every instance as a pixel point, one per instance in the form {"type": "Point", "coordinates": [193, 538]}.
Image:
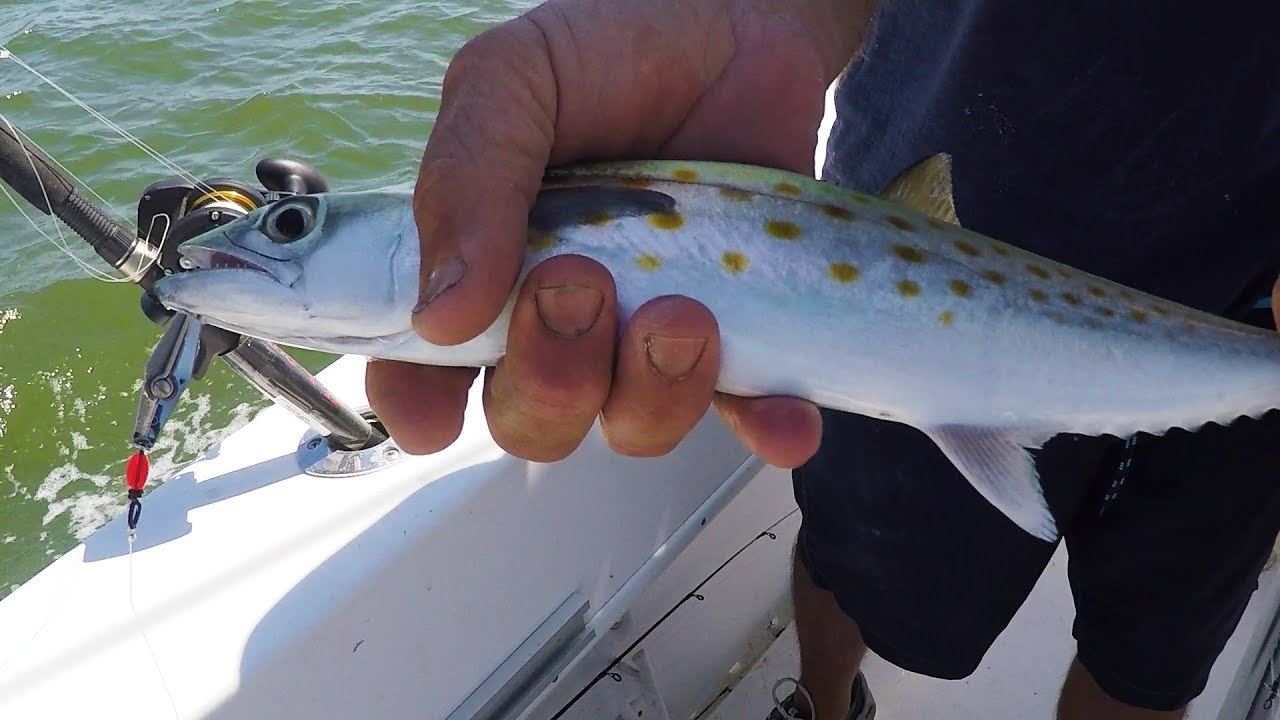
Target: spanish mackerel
{"type": "Point", "coordinates": [883, 306]}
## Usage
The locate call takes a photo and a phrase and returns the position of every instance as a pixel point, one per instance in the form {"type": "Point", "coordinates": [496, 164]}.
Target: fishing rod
{"type": "Point", "coordinates": [169, 213]}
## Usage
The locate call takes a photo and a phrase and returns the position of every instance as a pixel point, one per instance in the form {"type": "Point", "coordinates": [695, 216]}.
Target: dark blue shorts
{"type": "Point", "coordinates": [1166, 538]}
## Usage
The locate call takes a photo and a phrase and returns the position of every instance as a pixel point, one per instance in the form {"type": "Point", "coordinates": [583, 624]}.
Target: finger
{"type": "Point", "coordinates": [545, 395]}
{"type": "Point", "coordinates": [668, 364]}
{"type": "Point", "coordinates": [1275, 303]}
{"type": "Point", "coordinates": [420, 406]}
{"type": "Point", "coordinates": [784, 432]}
{"type": "Point", "coordinates": [480, 173]}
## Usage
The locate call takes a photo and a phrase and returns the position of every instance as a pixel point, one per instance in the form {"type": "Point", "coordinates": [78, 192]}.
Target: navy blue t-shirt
{"type": "Point", "coordinates": [1136, 140]}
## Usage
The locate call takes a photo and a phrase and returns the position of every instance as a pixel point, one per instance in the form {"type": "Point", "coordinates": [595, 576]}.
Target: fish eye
{"type": "Point", "coordinates": [289, 221]}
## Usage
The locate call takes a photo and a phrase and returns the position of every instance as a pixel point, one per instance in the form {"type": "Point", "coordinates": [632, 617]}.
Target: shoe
{"type": "Point", "coordinates": [861, 705]}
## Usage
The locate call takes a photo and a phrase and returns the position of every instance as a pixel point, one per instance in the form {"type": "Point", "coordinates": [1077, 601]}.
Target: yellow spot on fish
{"type": "Point", "coordinates": [838, 212]}
{"type": "Point", "coordinates": [1160, 310]}
{"type": "Point", "coordinates": [945, 317]}
{"type": "Point", "coordinates": [597, 217]}
{"type": "Point", "coordinates": [734, 262]}
{"type": "Point", "coordinates": [860, 198]}
{"type": "Point", "coordinates": [843, 272]}
{"type": "Point", "coordinates": [908, 253]}
{"type": "Point", "coordinates": [999, 249]}
{"type": "Point", "coordinates": [1063, 271]}
{"type": "Point", "coordinates": [1071, 298]}
{"type": "Point", "coordinates": [1126, 295]}
{"type": "Point", "coordinates": [900, 223]}
{"type": "Point", "coordinates": [685, 175]}
{"type": "Point", "coordinates": [960, 288]}
{"type": "Point", "coordinates": [993, 276]}
{"type": "Point", "coordinates": [967, 248]}
{"type": "Point", "coordinates": [787, 188]}
{"type": "Point", "coordinates": [1039, 296]}
{"type": "Point", "coordinates": [645, 261]}
{"type": "Point", "coordinates": [1107, 312]}
{"type": "Point", "coordinates": [636, 182]}
{"type": "Point", "coordinates": [1038, 271]}
{"type": "Point", "coordinates": [1138, 315]}
{"type": "Point", "coordinates": [667, 220]}
{"type": "Point", "coordinates": [735, 194]}
{"type": "Point", "coordinates": [782, 229]}
{"type": "Point", "coordinates": [935, 223]}
{"type": "Point", "coordinates": [1096, 291]}
{"type": "Point", "coordinates": [539, 240]}
{"type": "Point", "coordinates": [907, 288]}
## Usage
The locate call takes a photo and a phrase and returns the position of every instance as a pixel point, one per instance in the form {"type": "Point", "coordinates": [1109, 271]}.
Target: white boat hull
{"type": "Point", "coordinates": [473, 585]}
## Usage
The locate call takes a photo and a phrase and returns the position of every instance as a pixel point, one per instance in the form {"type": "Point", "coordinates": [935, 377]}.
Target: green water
{"type": "Point", "coordinates": [351, 87]}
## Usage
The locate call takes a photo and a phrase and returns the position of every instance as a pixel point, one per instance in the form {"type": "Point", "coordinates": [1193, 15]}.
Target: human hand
{"type": "Point", "coordinates": [737, 80]}
{"type": "Point", "coordinates": [1275, 303]}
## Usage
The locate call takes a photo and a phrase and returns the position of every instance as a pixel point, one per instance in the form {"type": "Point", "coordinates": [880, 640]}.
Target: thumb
{"type": "Point", "coordinates": [480, 173]}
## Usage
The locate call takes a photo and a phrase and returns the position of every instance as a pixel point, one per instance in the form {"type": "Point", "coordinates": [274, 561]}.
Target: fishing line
{"type": "Point", "coordinates": [107, 204]}
{"type": "Point", "coordinates": [66, 579]}
{"type": "Point", "coordinates": [155, 661]}
{"type": "Point", "coordinates": [6, 54]}
{"type": "Point", "coordinates": [693, 595]}
{"type": "Point", "coordinates": [53, 608]}
{"type": "Point", "coordinates": [61, 241]}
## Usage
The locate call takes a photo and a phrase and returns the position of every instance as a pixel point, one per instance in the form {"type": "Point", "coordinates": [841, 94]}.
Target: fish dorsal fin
{"type": "Point", "coordinates": [926, 187]}
{"type": "Point", "coordinates": [997, 465]}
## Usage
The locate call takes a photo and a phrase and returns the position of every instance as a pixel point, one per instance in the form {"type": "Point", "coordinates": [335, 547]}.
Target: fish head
{"type": "Point", "coordinates": [326, 265]}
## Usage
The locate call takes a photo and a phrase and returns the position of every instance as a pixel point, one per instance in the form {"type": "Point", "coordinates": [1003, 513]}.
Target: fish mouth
{"type": "Point", "coordinates": [207, 259]}
{"type": "Point", "coordinates": [222, 254]}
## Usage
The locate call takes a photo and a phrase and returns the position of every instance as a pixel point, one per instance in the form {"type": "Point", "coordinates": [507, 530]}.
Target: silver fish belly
{"type": "Point", "coordinates": [854, 302]}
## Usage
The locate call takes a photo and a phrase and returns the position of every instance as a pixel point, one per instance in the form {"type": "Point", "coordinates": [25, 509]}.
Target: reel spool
{"type": "Point", "coordinates": [172, 212]}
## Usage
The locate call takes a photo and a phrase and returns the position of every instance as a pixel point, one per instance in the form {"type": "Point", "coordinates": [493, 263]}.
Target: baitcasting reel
{"type": "Point", "coordinates": [176, 210]}
{"type": "Point", "coordinates": [170, 213]}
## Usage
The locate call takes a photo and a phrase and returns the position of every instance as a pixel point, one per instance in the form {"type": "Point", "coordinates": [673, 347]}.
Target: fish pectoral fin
{"type": "Point", "coordinates": [926, 187]}
{"type": "Point", "coordinates": [996, 462]}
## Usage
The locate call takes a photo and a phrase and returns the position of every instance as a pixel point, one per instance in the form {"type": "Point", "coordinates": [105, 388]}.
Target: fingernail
{"type": "Point", "coordinates": [674, 357]}
{"type": "Point", "coordinates": [443, 276]}
{"type": "Point", "coordinates": [569, 311]}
